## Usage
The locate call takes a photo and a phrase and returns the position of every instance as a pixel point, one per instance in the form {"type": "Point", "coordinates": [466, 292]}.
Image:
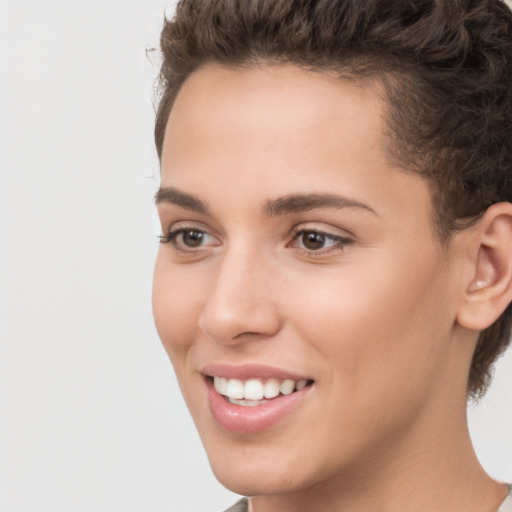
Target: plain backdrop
{"type": "Point", "coordinates": [90, 415]}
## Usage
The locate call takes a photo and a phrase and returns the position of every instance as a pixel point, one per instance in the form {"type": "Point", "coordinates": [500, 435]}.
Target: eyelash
{"type": "Point", "coordinates": [338, 245]}
{"type": "Point", "coordinates": [339, 242]}
{"type": "Point", "coordinates": [170, 237]}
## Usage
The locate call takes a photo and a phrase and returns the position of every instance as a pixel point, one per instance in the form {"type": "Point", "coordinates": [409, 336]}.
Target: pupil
{"type": "Point", "coordinates": [313, 241]}
{"type": "Point", "coordinates": [192, 238]}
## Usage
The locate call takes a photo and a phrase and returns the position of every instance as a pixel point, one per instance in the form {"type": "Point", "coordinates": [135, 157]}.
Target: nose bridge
{"type": "Point", "coordinates": [240, 299]}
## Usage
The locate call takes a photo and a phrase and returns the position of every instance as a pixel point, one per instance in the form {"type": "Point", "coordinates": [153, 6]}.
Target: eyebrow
{"type": "Point", "coordinates": [304, 202]}
{"type": "Point", "coordinates": [175, 196]}
{"type": "Point", "coordinates": [273, 207]}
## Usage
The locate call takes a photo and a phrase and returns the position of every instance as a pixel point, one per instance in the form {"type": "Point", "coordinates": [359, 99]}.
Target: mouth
{"type": "Point", "coordinates": [254, 392]}
{"type": "Point", "coordinates": [252, 399]}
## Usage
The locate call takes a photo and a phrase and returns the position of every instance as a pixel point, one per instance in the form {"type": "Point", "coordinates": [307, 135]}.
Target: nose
{"type": "Point", "coordinates": [241, 301]}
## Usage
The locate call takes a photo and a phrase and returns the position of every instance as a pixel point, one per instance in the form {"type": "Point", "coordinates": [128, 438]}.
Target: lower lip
{"type": "Point", "coordinates": [251, 420]}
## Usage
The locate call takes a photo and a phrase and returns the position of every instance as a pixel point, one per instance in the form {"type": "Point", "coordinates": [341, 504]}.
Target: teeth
{"type": "Point", "coordinates": [271, 388]}
{"type": "Point", "coordinates": [235, 388]}
{"type": "Point", "coordinates": [287, 386]}
{"type": "Point", "coordinates": [247, 403]}
{"type": "Point", "coordinates": [221, 385]}
{"type": "Point", "coordinates": [301, 384]}
{"type": "Point", "coordinates": [254, 392]}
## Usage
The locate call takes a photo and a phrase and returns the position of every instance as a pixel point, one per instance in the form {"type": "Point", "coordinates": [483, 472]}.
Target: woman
{"type": "Point", "coordinates": [335, 279]}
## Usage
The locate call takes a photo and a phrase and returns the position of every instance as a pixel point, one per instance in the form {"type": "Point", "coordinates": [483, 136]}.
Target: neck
{"type": "Point", "coordinates": [439, 474]}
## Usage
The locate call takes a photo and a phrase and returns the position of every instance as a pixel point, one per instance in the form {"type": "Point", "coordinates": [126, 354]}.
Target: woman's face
{"type": "Point", "coordinates": [295, 254]}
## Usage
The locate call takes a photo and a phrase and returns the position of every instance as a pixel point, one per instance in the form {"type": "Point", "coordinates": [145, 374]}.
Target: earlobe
{"type": "Point", "coordinates": [489, 291]}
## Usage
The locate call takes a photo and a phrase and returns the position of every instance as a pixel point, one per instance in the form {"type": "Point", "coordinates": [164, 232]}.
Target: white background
{"type": "Point", "coordinates": [90, 415]}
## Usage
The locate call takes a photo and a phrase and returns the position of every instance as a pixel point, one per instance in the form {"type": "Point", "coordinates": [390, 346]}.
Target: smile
{"type": "Point", "coordinates": [250, 399]}
{"type": "Point", "coordinates": [255, 392]}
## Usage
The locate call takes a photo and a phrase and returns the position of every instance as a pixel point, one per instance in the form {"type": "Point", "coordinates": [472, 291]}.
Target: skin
{"type": "Point", "coordinates": [375, 321]}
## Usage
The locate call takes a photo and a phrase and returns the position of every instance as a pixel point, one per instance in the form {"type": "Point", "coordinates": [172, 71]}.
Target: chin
{"type": "Point", "coordinates": [258, 470]}
{"type": "Point", "coordinates": [250, 480]}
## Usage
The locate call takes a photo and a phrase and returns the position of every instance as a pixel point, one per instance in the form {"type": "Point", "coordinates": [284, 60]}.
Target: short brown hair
{"type": "Point", "coordinates": [446, 68]}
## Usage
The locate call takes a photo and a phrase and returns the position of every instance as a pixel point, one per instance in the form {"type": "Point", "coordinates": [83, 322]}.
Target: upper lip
{"type": "Point", "coordinates": [250, 371]}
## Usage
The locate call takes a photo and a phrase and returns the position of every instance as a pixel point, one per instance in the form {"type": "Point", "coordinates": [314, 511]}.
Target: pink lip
{"type": "Point", "coordinates": [250, 371]}
{"type": "Point", "coordinates": [251, 420]}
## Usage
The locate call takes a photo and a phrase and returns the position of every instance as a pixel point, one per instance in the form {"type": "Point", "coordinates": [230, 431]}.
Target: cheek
{"type": "Point", "coordinates": [176, 308]}
{"type": "Point", "coordinates": [381, 325]}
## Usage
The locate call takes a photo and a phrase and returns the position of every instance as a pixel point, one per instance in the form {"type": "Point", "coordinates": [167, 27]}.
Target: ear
{"type": "Point", "coordinates": [489, 291]}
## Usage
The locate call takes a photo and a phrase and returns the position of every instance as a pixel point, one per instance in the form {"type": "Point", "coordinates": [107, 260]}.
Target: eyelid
{"type": "Point", "coordinates": [323, 228]}
{"type": "Point", "coordinates": [177, 225]}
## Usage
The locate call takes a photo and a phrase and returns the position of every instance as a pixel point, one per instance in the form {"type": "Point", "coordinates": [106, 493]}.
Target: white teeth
{"type": "Point", "coordinates": [221, 385]}
{"type": "Point", "coordinates": [254, 391]}
{"type": "Point", "coordinates": [235, 388]}
{"type": "Point", "coordinates": [271, 388]}
{"type": "Point", "coordinates": [287, 386]}
{"type": "Point", "coordinates": [301, 384]}
{"type": "Point", "coordinates": [247, 403]}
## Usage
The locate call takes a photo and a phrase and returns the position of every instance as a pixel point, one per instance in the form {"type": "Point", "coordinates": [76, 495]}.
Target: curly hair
{"type": "Point", "coordinates": [445, 67]}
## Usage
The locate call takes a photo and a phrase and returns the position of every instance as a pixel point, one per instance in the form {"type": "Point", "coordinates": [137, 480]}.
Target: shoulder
{"type": "Point", "coordinates": [240, 506]}
{"type": "Point", "coordinates": [506, 506]}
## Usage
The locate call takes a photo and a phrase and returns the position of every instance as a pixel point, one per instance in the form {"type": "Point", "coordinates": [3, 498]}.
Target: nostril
{"type": "Point", "coordinates": [248, 334]}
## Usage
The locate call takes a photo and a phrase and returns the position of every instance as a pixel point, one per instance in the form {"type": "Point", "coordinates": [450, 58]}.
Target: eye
{"type": "Point", "coordinates": [318, 241]}
{"type": "Point", "coordinates": [188, 239]}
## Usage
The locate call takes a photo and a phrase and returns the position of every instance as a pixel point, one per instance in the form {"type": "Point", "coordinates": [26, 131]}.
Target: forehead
{"type": "Point", "coordinates": [256, 133]}
{"type": "Point", "coordinates": [255, 105]}
{"type": "Point", "coordinates": [280, 86]}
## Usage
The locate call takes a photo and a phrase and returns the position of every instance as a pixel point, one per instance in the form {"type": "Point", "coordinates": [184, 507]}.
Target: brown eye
{"type": "Point", "coordinates": [189, 239]}
{"type": "Point", "coordinates": [319, 242]}
{"type": "Point", "coordinates": [192, 237]}
{"type": "Point", "coordinates": [313, 241]}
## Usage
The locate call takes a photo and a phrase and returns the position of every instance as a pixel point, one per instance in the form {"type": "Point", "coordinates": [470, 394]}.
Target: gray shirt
{"type": "Point", "coordinates": [243, 504]}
